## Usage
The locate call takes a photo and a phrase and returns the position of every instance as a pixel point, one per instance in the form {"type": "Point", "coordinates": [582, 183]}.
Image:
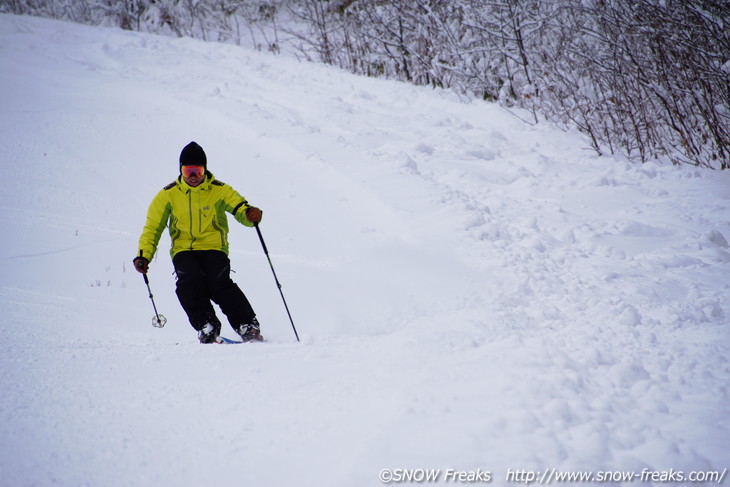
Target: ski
{"type": "Point", "coordinates": [227, 341]}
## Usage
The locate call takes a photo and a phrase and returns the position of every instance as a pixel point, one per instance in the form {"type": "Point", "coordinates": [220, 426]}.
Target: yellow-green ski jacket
{"type": "Point", "coordinates": [196, 217]}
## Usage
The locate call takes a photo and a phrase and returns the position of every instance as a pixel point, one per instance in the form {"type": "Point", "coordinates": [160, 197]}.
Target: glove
{"type": "Point", "coordinates": [253, 214]}
{"type": "Point", "coordinates": [141, 264]}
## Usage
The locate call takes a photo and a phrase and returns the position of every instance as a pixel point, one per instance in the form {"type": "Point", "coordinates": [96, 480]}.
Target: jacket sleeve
{"type": "Point", "coordinates": [238, 205]}
{"type": "Point", "coordinates": [158, 215]}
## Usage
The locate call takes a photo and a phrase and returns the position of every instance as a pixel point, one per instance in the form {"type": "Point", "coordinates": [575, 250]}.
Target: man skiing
{"type": "Point", "coordinates": [194, 207]}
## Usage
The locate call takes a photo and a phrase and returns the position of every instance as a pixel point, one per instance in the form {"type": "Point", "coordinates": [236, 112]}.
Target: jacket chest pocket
{"type": "Point", "coordinates": [205, 217]}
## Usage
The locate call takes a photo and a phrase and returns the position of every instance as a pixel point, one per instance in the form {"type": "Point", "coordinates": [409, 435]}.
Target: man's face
{"type": "Point", "coordinates": [193, 175]}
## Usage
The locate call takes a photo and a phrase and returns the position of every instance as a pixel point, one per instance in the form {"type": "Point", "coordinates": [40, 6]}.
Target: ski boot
{"type": "Point", "coordinates": [209, 333]}
{"type": "Point", "coordinates": [250, 332]}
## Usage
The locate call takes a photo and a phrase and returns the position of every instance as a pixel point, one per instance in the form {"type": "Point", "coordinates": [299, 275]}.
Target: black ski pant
{"type": "Point", "coordinates": [202, 276]}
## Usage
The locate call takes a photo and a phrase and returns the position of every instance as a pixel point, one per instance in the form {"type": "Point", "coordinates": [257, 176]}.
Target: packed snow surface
{"type": "Point", "coordinates": [473, 292]}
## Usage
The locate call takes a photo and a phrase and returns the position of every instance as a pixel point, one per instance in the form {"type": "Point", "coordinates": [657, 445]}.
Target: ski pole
{"type": "Point", "coordinates": [158, 321]}
{"type": "Point", "coordinates": [266, 251]}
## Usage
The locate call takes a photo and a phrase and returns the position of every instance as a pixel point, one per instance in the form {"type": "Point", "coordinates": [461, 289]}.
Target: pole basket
{"type": "Point", "coordinates": [158, 321]}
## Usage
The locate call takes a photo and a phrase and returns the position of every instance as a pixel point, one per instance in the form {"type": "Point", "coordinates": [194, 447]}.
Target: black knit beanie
{"type": "Point", "coordinates": [193, 155]}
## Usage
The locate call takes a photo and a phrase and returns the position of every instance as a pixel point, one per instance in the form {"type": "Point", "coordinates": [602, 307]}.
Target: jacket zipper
{"type": "Point", "coordinates": [190, 208]}
{"type": "Point", "coordinates": [223, 239]}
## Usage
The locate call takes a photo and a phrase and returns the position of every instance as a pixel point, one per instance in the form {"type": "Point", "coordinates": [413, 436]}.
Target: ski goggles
{"type": "Point", "coordinates": [192, 171]}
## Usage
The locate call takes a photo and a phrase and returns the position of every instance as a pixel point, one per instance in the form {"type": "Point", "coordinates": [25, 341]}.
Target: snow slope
{"type": "Point", "coordinates": [472, 292]}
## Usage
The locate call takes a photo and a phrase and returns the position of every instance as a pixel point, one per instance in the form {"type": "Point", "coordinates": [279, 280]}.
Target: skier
{"type": "Point", "coordinates": [194, 207]}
